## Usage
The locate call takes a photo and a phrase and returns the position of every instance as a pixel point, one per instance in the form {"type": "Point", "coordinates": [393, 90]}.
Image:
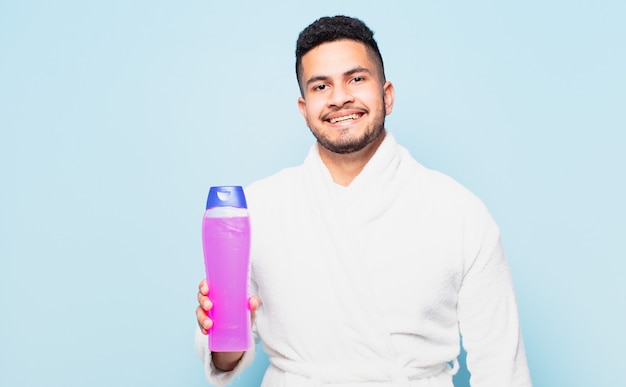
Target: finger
{"type": "Point", "coordinates": [204, 302]}
{"type": "Point", "coordinates": [203, 287]}
{"type": "Point", "coordinates": [255, 303]}
{"type": "Point", "coordinates": [204, 322]}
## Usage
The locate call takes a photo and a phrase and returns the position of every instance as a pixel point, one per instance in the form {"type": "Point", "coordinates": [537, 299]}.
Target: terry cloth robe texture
{"type": "Point", "coordinates": [369, 285]}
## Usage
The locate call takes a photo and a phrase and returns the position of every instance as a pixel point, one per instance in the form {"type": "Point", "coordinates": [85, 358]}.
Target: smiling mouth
{"type": "Point", "coordinates": [345, 118]}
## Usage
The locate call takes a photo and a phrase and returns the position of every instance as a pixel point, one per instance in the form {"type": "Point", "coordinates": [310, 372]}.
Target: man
{"type": "Point", "coordinates": [366, 265]}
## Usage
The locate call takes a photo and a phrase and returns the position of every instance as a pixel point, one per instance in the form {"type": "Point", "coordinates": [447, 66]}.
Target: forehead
{"type": "Point", "coordinates": [336, 57]}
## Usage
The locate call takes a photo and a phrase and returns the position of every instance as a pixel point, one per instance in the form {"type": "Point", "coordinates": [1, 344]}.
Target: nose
{"type": "Point", "coordinates": [340, 95]}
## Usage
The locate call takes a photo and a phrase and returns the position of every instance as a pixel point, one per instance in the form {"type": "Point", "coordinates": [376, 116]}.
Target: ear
{"type": "Point", "coordinates": [302, 107]}
{"type": "Point", "coordinates": [388, 95]}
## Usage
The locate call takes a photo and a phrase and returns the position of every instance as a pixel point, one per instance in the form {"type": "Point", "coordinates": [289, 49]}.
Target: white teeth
{"type": "Point", "coordinates": [344, 118]}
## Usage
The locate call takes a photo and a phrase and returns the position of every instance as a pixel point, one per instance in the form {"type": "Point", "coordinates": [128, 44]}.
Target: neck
{"type": "Point", "coordinates": [344, 168]}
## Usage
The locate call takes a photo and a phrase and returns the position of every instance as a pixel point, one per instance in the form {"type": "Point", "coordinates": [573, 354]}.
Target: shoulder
{"type": "Point", "coordinates": [442, 185]}
{"type": "Point", "coordinates": [271, 184]}
{"type": "Point", "coordinates": [436, 186]}
{"type": "Point", "coordinates": [445, 198]}
{"type": "Point", "coordinates": [273, 190]}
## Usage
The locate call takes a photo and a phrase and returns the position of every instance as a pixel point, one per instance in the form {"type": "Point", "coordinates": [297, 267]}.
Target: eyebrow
{"type": "Point", "coordinates": [348, 73]}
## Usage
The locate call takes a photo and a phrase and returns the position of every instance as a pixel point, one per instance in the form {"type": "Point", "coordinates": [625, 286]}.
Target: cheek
{"type": "Point", "coordinates": [306, 113]}
{"type": "Point", "coordinates": [313, 110]}
{"type": "Point", "coordinates": [373, 99]}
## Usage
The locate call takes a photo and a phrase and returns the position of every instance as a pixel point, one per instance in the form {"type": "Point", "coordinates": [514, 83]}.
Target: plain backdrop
{"type": "Point", "coordinates": [117, 116]}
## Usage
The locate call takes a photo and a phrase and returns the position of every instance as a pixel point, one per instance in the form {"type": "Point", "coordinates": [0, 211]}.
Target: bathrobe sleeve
{"type": "Point", "coordinates": [487, 312]}
{"type": "Point", "coordinates": [217, 377]}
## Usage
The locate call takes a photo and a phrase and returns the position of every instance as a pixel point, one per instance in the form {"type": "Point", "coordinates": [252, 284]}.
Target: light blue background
{"type": "Point", "coordinates": [117, 116]}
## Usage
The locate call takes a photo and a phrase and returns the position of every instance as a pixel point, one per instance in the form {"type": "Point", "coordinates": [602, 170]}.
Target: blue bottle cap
{"type": "Point", "coordinates": [226, 196]}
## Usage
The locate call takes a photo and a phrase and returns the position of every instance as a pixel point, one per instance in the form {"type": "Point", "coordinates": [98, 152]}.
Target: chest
{"type": "Point", "coordinates": [407, 263]}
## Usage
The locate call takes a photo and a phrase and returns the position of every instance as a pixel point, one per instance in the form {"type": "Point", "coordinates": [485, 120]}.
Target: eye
{"type": "Point", "coordinates": [358, 79]}
{"type": "Point", "coordinates": [320, 87]}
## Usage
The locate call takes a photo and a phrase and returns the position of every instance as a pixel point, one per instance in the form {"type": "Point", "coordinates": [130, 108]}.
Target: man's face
{"type": "Point", "coordinates": [344, 100]}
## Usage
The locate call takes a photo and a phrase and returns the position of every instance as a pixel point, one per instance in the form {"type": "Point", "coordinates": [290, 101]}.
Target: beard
{"type": "Point", "coordinates": [346, 144]}
{"type": "Point", "coordinates": [349, 144]}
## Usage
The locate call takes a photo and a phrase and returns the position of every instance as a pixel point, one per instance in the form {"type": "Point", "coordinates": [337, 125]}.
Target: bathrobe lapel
{"type": "Point", "coordinates": [344, 218]}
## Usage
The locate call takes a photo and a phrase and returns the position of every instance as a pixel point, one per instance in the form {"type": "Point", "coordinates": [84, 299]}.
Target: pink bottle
{"type": "Point", "coordinates": [226, 244]}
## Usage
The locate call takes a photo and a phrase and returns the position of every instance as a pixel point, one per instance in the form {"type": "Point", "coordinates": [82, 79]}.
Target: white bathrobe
{"type": "Point", "coordinates": [369, 285]}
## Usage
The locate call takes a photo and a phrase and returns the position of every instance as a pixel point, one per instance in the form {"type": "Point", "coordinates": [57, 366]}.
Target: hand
{"type": "Point", "coordinates": [204, 305]}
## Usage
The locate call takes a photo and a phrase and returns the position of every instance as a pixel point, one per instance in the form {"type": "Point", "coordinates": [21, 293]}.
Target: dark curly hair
{"type": "Point", "coordinates": [330, 29]}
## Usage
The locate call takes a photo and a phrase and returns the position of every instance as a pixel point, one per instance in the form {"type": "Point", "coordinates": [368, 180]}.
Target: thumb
{"type": "Point", "coordinates": [255, 303]}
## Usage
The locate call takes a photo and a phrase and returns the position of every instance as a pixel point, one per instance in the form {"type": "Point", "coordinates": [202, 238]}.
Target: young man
{"type": "Point", "coordinates": [366, 265]}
